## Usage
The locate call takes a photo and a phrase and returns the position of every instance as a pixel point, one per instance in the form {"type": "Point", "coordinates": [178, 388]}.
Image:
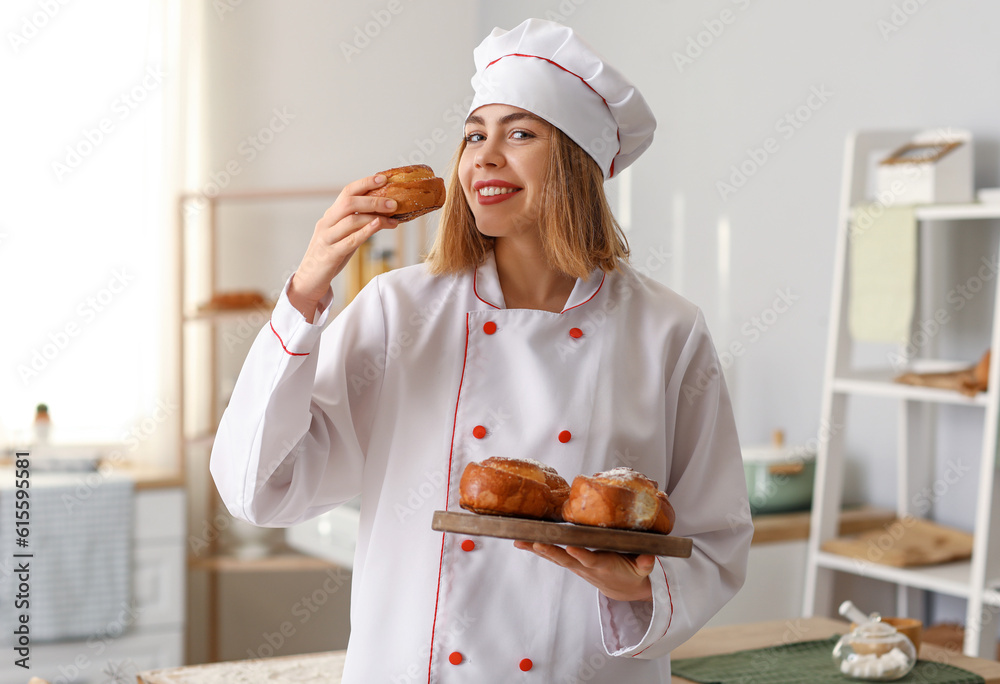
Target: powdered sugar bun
{"type": "Point", "coordinates": [620, 498]}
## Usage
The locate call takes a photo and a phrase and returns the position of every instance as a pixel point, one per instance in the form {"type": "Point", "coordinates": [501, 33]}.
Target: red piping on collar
{"type": "Point", "coordinates": [475, 291]}
{"type": "Point", "coordinates": [611, 171]}
{"type": "Point", "coordinates": [603, 276]}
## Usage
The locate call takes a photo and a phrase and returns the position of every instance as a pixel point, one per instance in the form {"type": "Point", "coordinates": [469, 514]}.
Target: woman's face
{"type": "Point", "coordinates": [503, 168]}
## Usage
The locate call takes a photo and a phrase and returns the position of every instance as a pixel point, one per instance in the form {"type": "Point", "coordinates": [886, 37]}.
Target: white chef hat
{"type": "Point", "coordinates": [546, 69]}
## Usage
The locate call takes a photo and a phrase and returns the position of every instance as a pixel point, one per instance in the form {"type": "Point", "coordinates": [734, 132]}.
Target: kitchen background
{"type": "Point", "coordinates": [242, 95]}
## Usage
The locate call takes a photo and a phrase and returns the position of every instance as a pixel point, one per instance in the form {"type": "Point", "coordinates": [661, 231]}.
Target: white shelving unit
{"type": "Point", "coordinates": [975, 580]}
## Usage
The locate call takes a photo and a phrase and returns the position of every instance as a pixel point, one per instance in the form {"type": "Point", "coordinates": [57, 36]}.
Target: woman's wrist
{"type": "Point", "coordinates": [304, 302]}
{"type": "Point", "coordinates": [643, 593]}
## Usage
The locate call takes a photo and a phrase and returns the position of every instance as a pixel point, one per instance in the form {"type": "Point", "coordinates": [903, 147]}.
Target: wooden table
{"type": "Point", "coordinates": [709, 641]}
{"type": "Point", "coordinates": [719, 640]}
{"type": "Point", "coordinates": [311, 668]}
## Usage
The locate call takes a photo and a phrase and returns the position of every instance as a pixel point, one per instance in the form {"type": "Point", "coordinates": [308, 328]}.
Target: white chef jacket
{"type": "Point", "coordinates": [386, 402]}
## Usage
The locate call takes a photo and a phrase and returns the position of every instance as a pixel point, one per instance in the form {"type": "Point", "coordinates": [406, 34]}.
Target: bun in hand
{"type": "Point", "coordinates": [416, 190]}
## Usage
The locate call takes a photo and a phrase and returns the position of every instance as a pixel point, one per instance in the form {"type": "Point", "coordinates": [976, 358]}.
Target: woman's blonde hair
{"type": "Point", "coordinates": [578, 231]}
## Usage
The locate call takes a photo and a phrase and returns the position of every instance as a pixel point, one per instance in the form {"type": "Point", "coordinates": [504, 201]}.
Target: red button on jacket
{"type": "Point", "coordinates": [479, 432]}
{"type": "Point", "coordinates": [575, 333]}
{"type": "Point", "coordinates": [455, 658]}
{"type": "Point", "coordinates": [565, 436]}
{"type": "Point", "coordinates": [525, 664]}
{"type": "Point", "coordinates": [490, 327]}
{"type": "Point", "coordinates": [468, 545]}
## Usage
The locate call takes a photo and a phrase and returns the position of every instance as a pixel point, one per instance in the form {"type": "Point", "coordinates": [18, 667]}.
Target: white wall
{"type": "Point", "coordinates": [732, 255]}
{"type": "Point", "coordinates": [762, 67]}
{"type": "Point", "coordinates": [349, 104]}
{"type": "Point", "coordinates": [886, 64]}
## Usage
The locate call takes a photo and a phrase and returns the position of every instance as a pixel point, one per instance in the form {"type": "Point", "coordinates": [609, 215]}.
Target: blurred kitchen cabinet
{"type": "Point", "coordinates": [776, 568]}
{"type": "Point", "coordinates": [150, 633]}
{"type": "Point", "coordinates": [773, 586]}
{"type": "Point", "coordinates": [846, 376]}
{"type": "Point", "coordinates": [263, 233]}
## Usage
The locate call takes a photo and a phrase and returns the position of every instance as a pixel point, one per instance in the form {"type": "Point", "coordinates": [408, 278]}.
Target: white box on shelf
{"type": "Point", "coordinates": [989, 195]}
{"type": "Point", "coordinates": [934, 167]}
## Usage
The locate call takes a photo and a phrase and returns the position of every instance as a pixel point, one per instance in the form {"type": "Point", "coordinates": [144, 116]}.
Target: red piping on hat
{"type": "Point", "coordinates": [611, 171]}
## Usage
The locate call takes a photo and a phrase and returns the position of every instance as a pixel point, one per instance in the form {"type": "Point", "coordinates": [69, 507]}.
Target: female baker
{"type": "Point", "coordinates": [525, 334]}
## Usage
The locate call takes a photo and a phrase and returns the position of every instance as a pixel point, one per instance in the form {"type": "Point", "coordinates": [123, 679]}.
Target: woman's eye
{"type": "Point", "coordinates": [474, 137]}
{"type": "Point", "coordinates": [522, 135]}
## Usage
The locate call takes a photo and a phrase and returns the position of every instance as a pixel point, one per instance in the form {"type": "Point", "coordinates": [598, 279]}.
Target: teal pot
{"type": "Point", "coordinates": [779, 478]}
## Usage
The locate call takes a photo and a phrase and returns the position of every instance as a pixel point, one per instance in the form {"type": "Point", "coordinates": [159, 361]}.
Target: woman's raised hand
{"type": "Point", "coordinates": [350, 220]}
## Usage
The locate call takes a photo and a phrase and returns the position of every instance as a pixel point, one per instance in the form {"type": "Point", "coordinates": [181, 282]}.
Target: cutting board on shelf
{"type": "Point", "coordinates": [909, 542]}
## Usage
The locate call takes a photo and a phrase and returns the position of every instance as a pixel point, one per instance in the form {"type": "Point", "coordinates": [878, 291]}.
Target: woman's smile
{"type": "Point", "coordinates": [494, 191]}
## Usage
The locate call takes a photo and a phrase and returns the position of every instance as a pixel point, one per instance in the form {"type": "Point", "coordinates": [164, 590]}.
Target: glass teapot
{"type": "Point", "coordinates": [874, 650]}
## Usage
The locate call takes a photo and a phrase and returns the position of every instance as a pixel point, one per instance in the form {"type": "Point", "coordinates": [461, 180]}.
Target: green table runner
{"type": "Point", "coordinates": [806, 662]}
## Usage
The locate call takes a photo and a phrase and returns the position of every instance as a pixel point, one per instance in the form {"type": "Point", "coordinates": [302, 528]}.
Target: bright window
{"type": "Point", "coordinates": [84, 229]}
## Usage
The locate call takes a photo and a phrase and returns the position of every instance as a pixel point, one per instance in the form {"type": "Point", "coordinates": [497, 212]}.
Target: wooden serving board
{"type": "Point", "coordinates": [905, 543]}
{"type": "Point", "coordinates": [568, 534]}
